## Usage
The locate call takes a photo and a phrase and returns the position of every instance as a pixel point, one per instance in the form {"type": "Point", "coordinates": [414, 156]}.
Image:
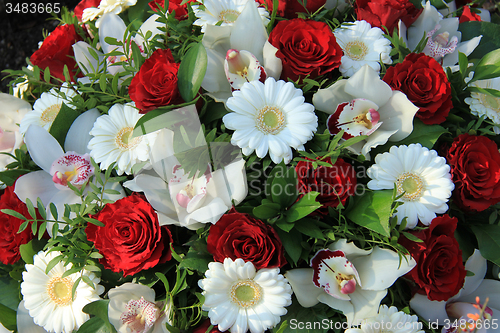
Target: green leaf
{"type": "Point", "coordinates": [284, 185]}
{"type": "Point", "coordinates": [192, 71]}
{"type": "Point", "coordinates": [96, 325]}
{"type": "Point", "coordinates": [309, 228]}
{"type": "Point", "coordinates": [463, 63]}
{"type": "Point", "coordinates": [284, 225]}
{"type": "Point", "coordinates": [488, 67]}
{"type": "Point", "coordinates": [8, 177]}
{"type": "Point", "coordinates": [31, 208]}
{"type": "Point", "coordinates": [488, 238]}
{"type": "Point", "coordinates": [157, 119]}
{"type": "Point", "coordinates": [31, 248]}
{"type": "Point", "coordinates": [8, 317]}
{"type": "Point", "coordinates": [13, 213]}
{"type": "Point", "coordinates": [46, 75]}
{"type": "Point", "coordinates": [412, 237]}
{"type": "Point", "coordinates": [426, 135]}
{"type": "Point", "coordinates": [9, 289]}
{"type": "Point", "coordinates": [291, 242]}
{"type": "Point", "coordinates": [490, 40]}
{"type": "Point", "coordinates": [62, 123]}
{"type": "Point", "coordinates": [372, 211]}
{"type": "Point", "coordinates": [305, 206]}
{"type": "Point", "coordinates": [266, 211]}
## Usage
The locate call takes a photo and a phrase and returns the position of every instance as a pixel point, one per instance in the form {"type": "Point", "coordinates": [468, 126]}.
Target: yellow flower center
{"type": "Point", "coordinates": [124, 139]}
{"type": "Point", "coordinates": [245, 293]}
{"type": "Point", "coordinates": [50, 113]}
{"type": "Point", "coordinates": [356, 50]}
{"type": "Point", "coordinates": [270, 120]}
{"type": "Point", "coordinates": [491, 102]}
{"type": "Point", "coordinates": [411, 185]}
{"type": "Point", "coordinates": [228, 15]}
{"type": "Point", "coordinates": [59, 290]}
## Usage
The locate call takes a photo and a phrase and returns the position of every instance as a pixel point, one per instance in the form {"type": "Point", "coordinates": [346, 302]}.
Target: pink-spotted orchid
{"type": "Point", "coordinates": [349, 279]}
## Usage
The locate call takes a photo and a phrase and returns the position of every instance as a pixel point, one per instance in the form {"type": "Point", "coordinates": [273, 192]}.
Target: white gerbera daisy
{"type": "Point", "coordinates": [419, 173]}
{"type": "Point", "coordinates": [48, 297]}
{"type": "Point", "coordinates": [239, 299]}
{"type": "Point", "coordinates": [270, 116]}
{"type": "Point", "coordinates": [362, 45]}
{"type": "Point", "coordinates": [486, 105]}
{"type": "Point", "coordinates": [113, 142]}
{"type": "Point", "coordinates": [389, 320]}
{"type": "Point", "coordinates": [225, 11]}
{"type": "Point", "coordinates": [46, 108]}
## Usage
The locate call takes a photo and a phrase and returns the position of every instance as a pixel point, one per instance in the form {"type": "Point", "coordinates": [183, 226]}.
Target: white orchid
{"type": "Point", "coordinates": [366, 105]}
{"type": "Point", "coordinates": [444, 39]}
{"type": "Point", "coordinates": [349, 279]}
{"type": "Point", "coordinates": [462, 304]}
{"type": "Point", "coordinates": [106, 6]}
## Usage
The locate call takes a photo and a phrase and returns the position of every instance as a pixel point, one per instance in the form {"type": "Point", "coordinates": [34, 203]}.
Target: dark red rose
{"type": "Point", "coordinates": [475, 170]}
{"type": "Point", "coordinates": [155, 84]}
{"type": "Point", "coordinates": [132, 239]}
{"type": "Point", "coordinates": [467, 16]}
{"type": "Point", "coordinates": [238, 235]}
{"type": "Point", "coordinates": [84, 4]}
{"type": "Point", "coordinates": [181, 12]}
{"type": "Point", "coordinates": [422, 79]}
{"type": "Point", "coordinates": [440, 272]}
{"type": "Point", "coordinates": [335, 184]}
{"type": "Point", "coordinates": [305, 47]}
{"type": "Point", "coordinates": [10, 240]}
{"type": "Point", "coordinates": [386, 13]}
{"type": "Point", "coordinates": [289, 8]}
{"type": "Point", "coordinates": [57, 51]}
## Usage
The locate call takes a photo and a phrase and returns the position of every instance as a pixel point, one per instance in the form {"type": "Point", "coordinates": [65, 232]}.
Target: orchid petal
{"type": "Point", "coordinates": [86, 62]}
{"type": "Point", "coordinates": [430, 310]}
{"type": "Point", "coordinates": [460, 309]}
{"type": "Point", "coordinates": [351, 251]}
{"type": "Point", "coordinates": [365, 304]}
{"type": "Point", "coordinates": [402, 32]}
{"type": "Point", "coordinates": [151, 24]}
{"type": "Point", "coordinates": [43, 147]}
{"type": "Point", "coordinates": [25, 322]}
{"type": "Point", "coordinates": [487, 289]}
{"type": "Point", "coordinates": [328, 99]}
{"type": "Point", "coordinates": [398, 114]}
{"type": "Point", "coordinates": [485, 15]}
{"type": "Point", "coordinates": [237, 179]}
{"type": "Point", "coordinates": [301, 280]}
{"type": "Point", "coordinates": [78, 136]}
{"type": "Point", "coordinates": [13, 111]}
{"type": "Point", "coordinates": [215, 79]}
{"type": "Point", "coordinates": [426, 21]}
{"type": "Point", "coordinates": [366, 83]}
{"type": "Point", "coordinates": [376, 139]}
{"type": "Point", "coordinates": [156, 192]}
{"type": "Point", "coordinates": [469, 46]}
{"type": "Point", "coordinates": [211, 212]}
{"type": "Point", "coordinates": [477, 265]}
{"type": "Point", "coordinates": [382, 268]}
{"type": "Point", "coordinates": [345, 306]}
{"type": "Point", "coordinates": [111, 26]}
{"type": "Point", "coordinates": [36, 184]}
{"type": "Point", "coordinates": [272, 64]}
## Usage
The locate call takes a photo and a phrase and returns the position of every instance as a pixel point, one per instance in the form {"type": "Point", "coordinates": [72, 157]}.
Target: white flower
{"type": "Point", "coordinates": [368, 106]}
{"type": "Point", "coordinates": [132, 309]}
{"type": "Point", "coordinates": [465, 301]}
{"type": "Point", "coordinates": [419, 173]}
{"type": "Point", "coordinates": [362, 45]}
{"type": "Point", "coordinates": [112, 139]}
{"type": "Point", "coordinates": [46, 108]}
{"type": "Point", "coordinates": [239, 299]}
{"type": "Point", "coordinates": [270, 117]}
{"type": "Point", "coordinates": [486, 105]}
{"type": "Point", "coordinates": [105, 7]}
{"type": "Point", "coordinates": [349, 279]}
{"type": "Point", "coordinates": [48, 297]}
{"type": "Point", "coordinates": [389, 320]}
{"type": "Point", "coordinates": [226, 11]}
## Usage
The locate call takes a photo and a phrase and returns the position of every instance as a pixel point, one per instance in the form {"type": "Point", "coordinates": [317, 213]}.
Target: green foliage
{"type": "Point", "coordinates": [192, 71]}
{"type": "Point", "coordinates": [488, 237]}
{"type": "Point", "coordinates": [99, 309]}
{"type": "Point", "coordinates": [490, 40]}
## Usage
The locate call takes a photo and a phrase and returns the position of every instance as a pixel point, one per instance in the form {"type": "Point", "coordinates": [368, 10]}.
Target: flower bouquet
{"type": "Point", "coordinates": [251, 166]}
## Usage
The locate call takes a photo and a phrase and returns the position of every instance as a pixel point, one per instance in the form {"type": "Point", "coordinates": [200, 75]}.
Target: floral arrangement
{"type": "Point", "coordinates": [252, 166]}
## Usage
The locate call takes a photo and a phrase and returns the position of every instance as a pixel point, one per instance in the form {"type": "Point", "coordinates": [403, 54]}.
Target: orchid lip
{"type": "Point", "coordinates": [71, 168]}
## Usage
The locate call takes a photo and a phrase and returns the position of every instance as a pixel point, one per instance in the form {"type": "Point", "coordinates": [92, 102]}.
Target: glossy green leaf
{"type": "Point", "coordinates": [305, 206]}
{"type": "Point", "coordinates": [488, 238]}
{"type": "Point", "coordinates": [291, 242]}
{"type": "Point", "coordinates": [488, 67]}
{"type": "Point", "coordinates": [8, 317]}
{"type": "Point", "coordinates": [266, 211]}
{"type": "Point", "coordinates": [62, 123]}
{"type": "Point", "coordinates": [490, 40]}
{"type": "Point", "coordinates": [372, 211]}
{"type": "Point", "coordinates": [192, 71]}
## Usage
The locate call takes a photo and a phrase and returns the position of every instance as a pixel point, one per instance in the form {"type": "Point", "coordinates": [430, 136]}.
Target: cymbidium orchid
{"type": "Point", "coordinates": [444, 39]}
{"type": "Point", "coordinates": [349, 279]}
{"type": "Point", "coordinates": [465, 305]}
{"type": "Point", "coordinates": [366, 105]}
{"type": "Point", "coordinates": [241, 67]}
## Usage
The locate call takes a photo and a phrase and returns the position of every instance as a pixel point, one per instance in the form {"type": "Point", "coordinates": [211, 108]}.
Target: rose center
{"type": "Point", "coordinates": [50, 113]}
{"type": "Point", "coordinates": [228, 15]}
{"type": "Point", "coordinates": [245, 293]}
{"type": "Point", "coordinates": [270, 120]}
{"type": "Point", "coordinates": [124, 139]}
{"type": "Point", "coordinates": [59, 290]}
{"type": "Point", "coordinates": [411, 185]}
{"type": "Point", "coordinates": [356, 50]}
{"type": "Point", "coordinates": [491, 101]}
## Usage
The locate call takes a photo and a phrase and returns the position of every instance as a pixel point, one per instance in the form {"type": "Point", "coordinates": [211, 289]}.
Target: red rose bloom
{"type": "Point", "coordinates": [181, 12]}
{"type": "Point", "coordinates": [386, 13]}
{"type": "Point", "coordinates": [57, 51]}
{"type": "Point", "coordinates": [10, 240]}
{"type": "Point", "coordinates": [440, 272]}
{"type": "Point", "coordinates": [475, 170]}
{"type": "Point", "coordinates": [335, 184]}
{"type": "Point", "coordinates": [289, 8]}
{"type": "Point", "coordinates": [238, 235]}
{"type": "Point", "coordinates": [422, 79]}
{"type": "Point", "coordinates": [305, 47]}
{"type": "Point", "coordinates": [467, 16]}
{"type": "Point", "coordinates": [132, 239]}
{"type": "Point", "coordinates": [155, 84]}
{"type": "Point", "coordinates": [84, 4]}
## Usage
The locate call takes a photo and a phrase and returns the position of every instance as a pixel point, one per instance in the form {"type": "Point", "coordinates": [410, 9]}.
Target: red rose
{"type": "Point", "coordinates": [155, 84]}
{"type": "Point", "coordinates": [386, 13]}
{"type": "Point", "coordinates": [132, 239]}
{"type": "Point", "coordinates": [335, 184]}
{"type": "Point", "coordinates": [84, 4]}
{"type": "Point", "coordinates": [238, 235]}
{"type": "Point", "coordinates": [289, 8]}
{"type": "Point", "coordinates": [10, 240]}
{"type": "Point", "coordinates": [439, 272]}
{"type": "Point", "coordinates": [305, 47]}
{"type": "Point", "coordinates": [181, 12]}
{"type": "Point", "coordinates": [467, 16]}
{"type": "Point", "coordinates": [475, 170]}
{"type": "Point", "coordinates": [203, 327]}
{"type": "Point", "coordinates": [422, 79]}
{"type": "Point", "coordinates": [57, 51]}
